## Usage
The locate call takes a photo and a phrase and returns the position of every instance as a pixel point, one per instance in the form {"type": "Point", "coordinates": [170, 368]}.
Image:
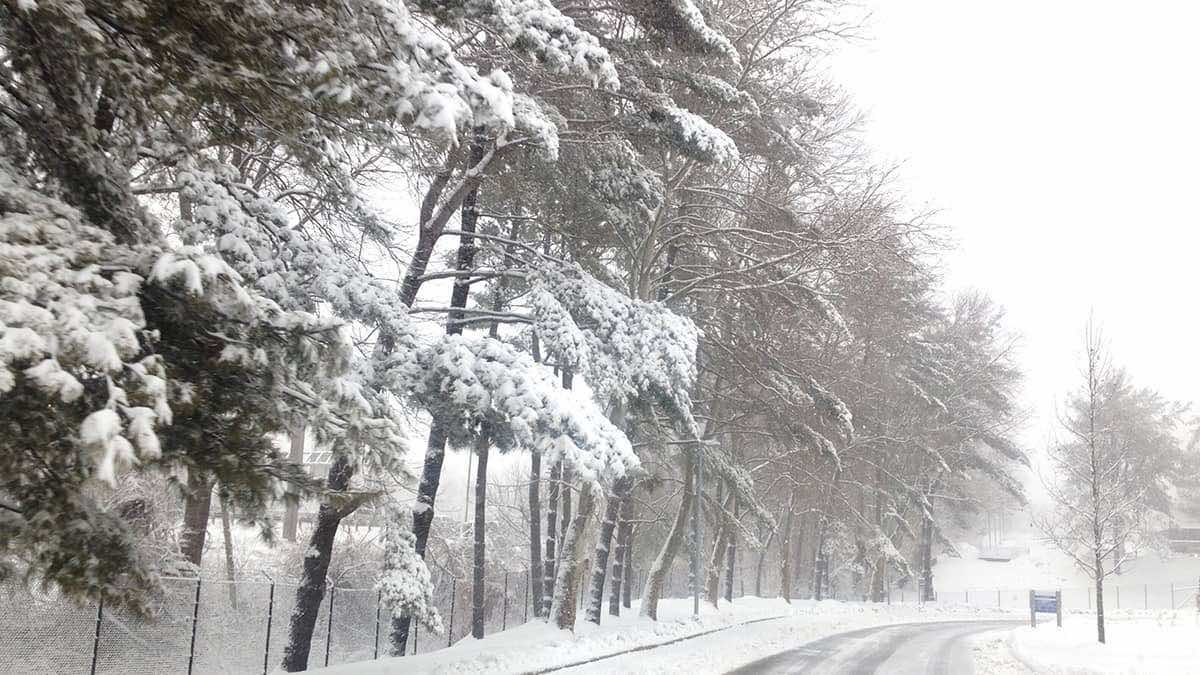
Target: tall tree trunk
{"type": "Point", "coordinates": [564, 606]}
{"type": "Point", "coordinates": [927, 594]}
{"type": "Point", "coordinates": [551, 562]}
{"type": "Point", "coordinates": [820, 562]}
{"type": "Point", "coordinates": [604, 538]}
{"type": "Point", "coordinates": [731, 558]}
{"type": "Point", "coordinates": [716, 565]}
{"type": "Point", "coordinates": [311, 590]}
{"type": "Point", "coordinates": [621, 580]}
{"type": "Point", "coordinates": [785, 552]}
{"type": "Point", "coordinates": [477, 588]}
{"type": "Point", "coordinates": [433, 221]}
{"type": "Point", "coordinates": [657, 574]}
{"type": "Point", "coordinates": [1100, 597]}
{"type": "Point", "coordinates": [762, 560]}
{"type": "Point", "coordinates": [798, 556]}
{"type": "Point", "coordinates": [195, 518]}
{"type": "Point", "coordinates": [536, 578]}
{"type": "Point", "coordinates": [227, 534]}
{"type": "Point", "coordinates": [627, 590]}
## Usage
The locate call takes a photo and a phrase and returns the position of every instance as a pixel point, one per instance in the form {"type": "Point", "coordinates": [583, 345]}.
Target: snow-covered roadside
{"type": "Point", "coordinates": [536, 646]}
{"type": "Point", "coordinates": [992, 654]}
{"type": "Point", "coordinates": [1137, 642]}
{"type": "Point", "coordinates": [807, 621]}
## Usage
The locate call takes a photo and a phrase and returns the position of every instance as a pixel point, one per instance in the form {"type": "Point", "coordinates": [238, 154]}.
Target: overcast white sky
{"type": "Point", "coordinates": [1058, 139]}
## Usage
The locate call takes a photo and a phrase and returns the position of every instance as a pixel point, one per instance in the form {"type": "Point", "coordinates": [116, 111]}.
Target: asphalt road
{"type": "Point", "coordinates": [914, 648]}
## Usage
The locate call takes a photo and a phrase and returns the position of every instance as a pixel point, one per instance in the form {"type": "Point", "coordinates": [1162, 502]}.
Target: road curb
{"type": "Point", "coordinates": [655, 645]}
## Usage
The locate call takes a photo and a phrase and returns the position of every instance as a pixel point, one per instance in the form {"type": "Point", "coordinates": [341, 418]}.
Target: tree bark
{"type": "Point", "coordinates": [227, 534]}
{"type": "Point", "coordinates": [820, 562]}
{"type": "Point", "coordinates": [620, 569]}
{"type": "Point", "coordinates": [927, 594]}
{"type": "Point", "coordinates": [478, 589]}
{"type": "Point", "coordinates": [785, 552]}
{"type": "Point", "coordinates": [762, 560]}
{"type": "Point", "coordinates": [604, 539]}
{"type": "Point", "coordinates": [564, 606]}
{"type": "Point", "coordinates": [627, 590]}
{"type": "Point", "coordinates": [196, 510]}
{"type": "Point", "coordinates": [731, 558]}
{"type": "Point", "coordinates": [652, 591]}
{"type": "Point", "coordinates": [311, 590]}
{"type": "Point", "coordinates": [551, 536]}
{"type": "Point", "coordinates": [536, 578]}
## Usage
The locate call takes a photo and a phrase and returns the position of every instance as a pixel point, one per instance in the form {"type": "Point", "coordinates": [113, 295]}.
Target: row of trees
{"type": "Point", "coordinates": [636, 240]}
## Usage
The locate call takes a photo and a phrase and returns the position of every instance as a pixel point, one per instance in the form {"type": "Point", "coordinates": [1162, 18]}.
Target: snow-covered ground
{"type": "Point", "coordinates": [536, 647]}
{"type": "Point", "coordinates": [1137, 642]}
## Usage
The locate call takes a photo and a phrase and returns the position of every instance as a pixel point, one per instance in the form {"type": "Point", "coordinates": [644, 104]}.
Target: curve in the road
{"type": "Point", "coordinates": [930, 647]}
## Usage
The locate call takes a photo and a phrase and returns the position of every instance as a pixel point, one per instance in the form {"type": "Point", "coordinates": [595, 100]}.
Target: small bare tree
{"type": "Point", "coordinates": [1102, 484]}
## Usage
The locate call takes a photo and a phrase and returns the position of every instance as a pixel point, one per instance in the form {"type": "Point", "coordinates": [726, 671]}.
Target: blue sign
{"type": "Point", "coordinates": [1045, 602]}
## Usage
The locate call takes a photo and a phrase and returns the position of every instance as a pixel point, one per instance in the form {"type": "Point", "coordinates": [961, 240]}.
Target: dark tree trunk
{"type": "Point", "coordinates": [731, 558]}
{"type": "Point", "coordinates": [798, 558]}
{"type": "Point", "coordinates": [627, 590]}
{"type": "Point", "coordinates": [227, 535]}
{"type": "Point", "coordinates": [621, 580]}
{"type": "Point", "coordinates": [536, 578]}
{"type": "Point", "coordinates": [604, 540]}
{"type": "Point", "coordinates": [1100, 598]}
{"type": "Point", "coordinates": [785, 552]}
{"type": "Point", "coordinates": [311, 590]}
{"type": "Point", "coordinates": [195, 519]}
{"type": "Point", "coordinates": [477, 588]}
{"type": "Point", "coordinates": [432, 225]}
{"type": "Point", "coordinates": [762, 560]}
{"type": "Point", "coordinates": [820, 562]}
{"type": "Point", "coordinates": [926, 556]}
{"type": "Point", "coordinates": [551, 535]}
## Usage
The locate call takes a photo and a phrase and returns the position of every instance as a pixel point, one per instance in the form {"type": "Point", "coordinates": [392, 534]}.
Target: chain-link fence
{"type": "Point", "coordinates": [216, 626]}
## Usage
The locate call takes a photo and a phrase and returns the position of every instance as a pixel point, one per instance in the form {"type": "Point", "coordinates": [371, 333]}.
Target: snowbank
{"type": "Point", "coordinates": [1137, 642]}
{"type": "Point", "coordinates": [777, 626]}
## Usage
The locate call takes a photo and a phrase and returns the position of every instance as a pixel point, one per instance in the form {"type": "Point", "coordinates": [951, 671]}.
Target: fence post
{"type": "Point", "coordinates": [195, 617]}
{"type": "Point", "coordinates": [96, 640]}
{"type": "Point", "coordinates": [967, 597]}
{"type": "Point", "coordinates": [450, 631]}
{"type": "Point", "coordinates": [270, 617]}
{"type": "Point", "coordinates": [1118, 591]}
{"type": "Point", "coordinates": [1172, 595]}
{"type": "Point", "coordinates": [378, 601]}
{"type": "Point", "coordinates": [1032, 611]}
{"type": "Point", "coordinates": [329, 625]}
{"type": "Point", "coordinates": [528, 574]}
{"type": "Point", "coordinates": [504, 611]}
{"type": "Point", "coordinates": [1058, 606]}
{"type": "Point", "coordinates": [1145, 597]}
{"type": "Point", "coordinates": [415, 626]}
{"type": "Point", "coordinates": [999, 603]}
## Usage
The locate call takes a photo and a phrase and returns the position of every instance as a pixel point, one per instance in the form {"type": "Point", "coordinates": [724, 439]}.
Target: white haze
{"type": "Point", "coordinates": [1057, 142]}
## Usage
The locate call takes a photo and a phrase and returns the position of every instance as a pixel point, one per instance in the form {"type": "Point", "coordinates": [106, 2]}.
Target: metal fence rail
{"type": "Point", "coordinates": [215, 626]}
